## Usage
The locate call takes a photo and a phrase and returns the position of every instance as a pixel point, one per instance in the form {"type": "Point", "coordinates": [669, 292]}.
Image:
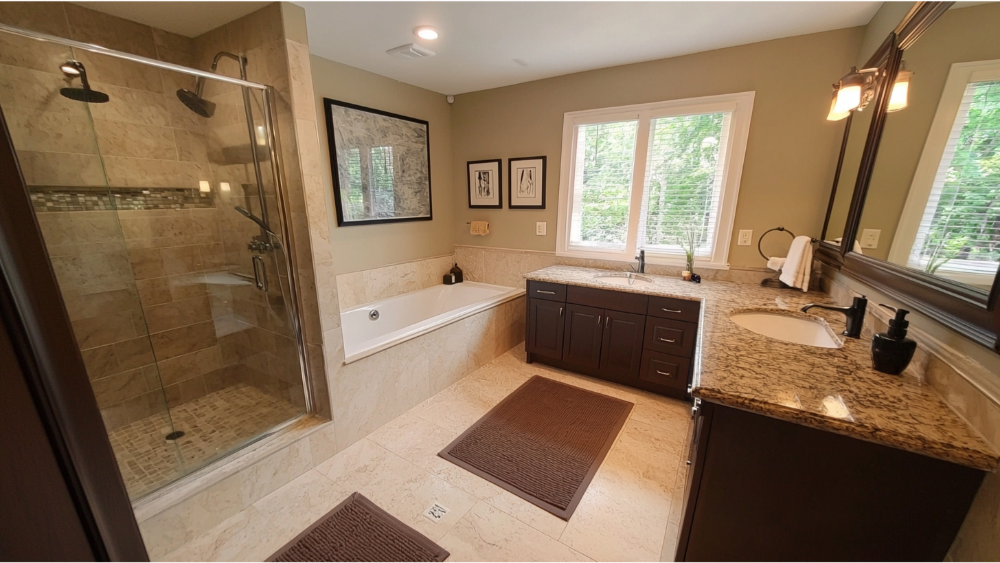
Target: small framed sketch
{"type": "Point", "coordinates": [485, 184]}
{"type": "Point", "coordinates": [526, 187]}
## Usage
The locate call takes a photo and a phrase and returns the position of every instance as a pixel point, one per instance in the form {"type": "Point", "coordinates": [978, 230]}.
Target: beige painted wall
{"type": "Point", "coordinates": [371, 246]}
{"type": "Point", "coordinates": [791, 153]}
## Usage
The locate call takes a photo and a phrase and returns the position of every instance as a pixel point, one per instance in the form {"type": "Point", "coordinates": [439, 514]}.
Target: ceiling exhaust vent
{"type": "Point", "coordinates": [410, 51]}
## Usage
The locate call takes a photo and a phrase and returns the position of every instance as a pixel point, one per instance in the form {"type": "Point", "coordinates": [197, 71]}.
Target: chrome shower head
{"type": "Point", "coordinates": [73, 69]}
{"type": "Point", "coordinates": [194, 101]}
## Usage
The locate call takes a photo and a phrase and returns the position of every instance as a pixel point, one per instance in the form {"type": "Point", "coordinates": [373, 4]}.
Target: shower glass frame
{"type": "Point", "coordinates": [277, 171]}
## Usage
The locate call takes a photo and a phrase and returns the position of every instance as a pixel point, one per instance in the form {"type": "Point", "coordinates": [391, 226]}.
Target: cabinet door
{"type": "Point", "coordinates": [621, 351]}
{"type": "Point", "coordinates": [545, 328]}
{"type": "Point", "coordinates": [583, 335]}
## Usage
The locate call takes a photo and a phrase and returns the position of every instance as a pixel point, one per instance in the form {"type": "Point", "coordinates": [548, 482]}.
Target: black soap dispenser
{"type": "Point", "coordinates": [892, 350]}
{"type": "Point", "coordinates": [458, 273]}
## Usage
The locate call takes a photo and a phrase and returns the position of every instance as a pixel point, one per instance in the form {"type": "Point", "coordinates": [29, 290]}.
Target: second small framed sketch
{"type": "Point", "coordinates": [485, 184]}
{"type": "Point", "coordinates": [526, 188]}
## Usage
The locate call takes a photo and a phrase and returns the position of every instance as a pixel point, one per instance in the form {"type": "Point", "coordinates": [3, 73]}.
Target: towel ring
{"type": "Point", "coordinates": [761, 239]}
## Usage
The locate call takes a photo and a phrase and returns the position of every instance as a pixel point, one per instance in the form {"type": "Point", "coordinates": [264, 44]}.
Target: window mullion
{"type": "Point", "coordinates": [638, 183]}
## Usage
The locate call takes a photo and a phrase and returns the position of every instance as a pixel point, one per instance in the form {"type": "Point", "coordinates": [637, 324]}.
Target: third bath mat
{"type": "Point", "coordinates": [544, 442]}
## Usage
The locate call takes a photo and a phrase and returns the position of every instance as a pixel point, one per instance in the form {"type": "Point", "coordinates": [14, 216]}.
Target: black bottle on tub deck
{"type": "Point", "coordinates": [458, 273]}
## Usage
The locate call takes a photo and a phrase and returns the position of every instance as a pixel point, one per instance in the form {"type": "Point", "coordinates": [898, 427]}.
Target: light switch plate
{"type": "Point", "coordinates": [540, 227]}
{"type": "Point", "coordinates": [745, 238]}
{"type": "Point", "coordinates": [869, 238]}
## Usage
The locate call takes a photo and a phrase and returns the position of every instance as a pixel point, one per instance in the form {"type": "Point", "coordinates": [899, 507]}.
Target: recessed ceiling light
{"type": "Point", "coordinates": [426, 32]}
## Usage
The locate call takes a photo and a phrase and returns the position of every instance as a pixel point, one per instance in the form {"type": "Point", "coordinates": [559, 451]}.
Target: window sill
{"type": "Point", "coordinates": [658, 260]}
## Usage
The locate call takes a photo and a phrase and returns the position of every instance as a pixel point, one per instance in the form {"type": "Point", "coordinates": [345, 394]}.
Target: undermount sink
{"type": "Point", "coordinates": [625, 278]}
{"type": "Point", "coordinates": [789, 328]}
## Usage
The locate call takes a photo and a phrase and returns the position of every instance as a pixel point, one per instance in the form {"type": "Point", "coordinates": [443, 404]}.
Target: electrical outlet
{"type": "Point", "coordinates": [869, 238]}
{"type": "Point", "coordinates": [745, 237]}
{"type": "Point", "coordinates": [540, 228]}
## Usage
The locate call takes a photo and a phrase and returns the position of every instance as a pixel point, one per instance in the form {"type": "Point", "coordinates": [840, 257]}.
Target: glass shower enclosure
{"type": "Point", "coordinates": [157, 189]}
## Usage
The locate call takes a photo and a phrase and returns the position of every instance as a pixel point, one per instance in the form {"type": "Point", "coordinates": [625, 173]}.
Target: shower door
{"type": "Point", "coordinates": [181, 305]}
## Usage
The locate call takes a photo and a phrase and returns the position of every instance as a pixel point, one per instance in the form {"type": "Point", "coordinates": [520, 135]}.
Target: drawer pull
{"type": "Point", "coordinates": [553, 293]}
{"type": "Point", "coordinates": [669, 310]}
{"type": "Point", "coordinates": [560, 311]}
{"type": "Point", "coordinates": [663, 372]}
{"type": "Point", "coordinates": [661, 339]}
{"type": "Point", "coordinates": [598, 320]}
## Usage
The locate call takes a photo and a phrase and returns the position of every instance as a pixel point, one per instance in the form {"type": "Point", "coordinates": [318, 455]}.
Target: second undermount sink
{"type": "Point", "coordinates": [789, 328]}
{"type": "Point", "coordinates": [627, 279]}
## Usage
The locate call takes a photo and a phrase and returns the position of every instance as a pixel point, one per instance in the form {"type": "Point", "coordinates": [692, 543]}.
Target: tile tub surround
{"type": "Point", "coordinates": [373, 390]}
{"type": "Point", "coordinates": [365, 286]}
{"type": "Point", "coordinates": [741, 369]}
{"type": "Point", "coordinates": [630, 512]}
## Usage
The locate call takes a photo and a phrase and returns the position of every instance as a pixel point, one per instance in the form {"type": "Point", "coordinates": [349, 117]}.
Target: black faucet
{"type": "Point", "coordinates": [855, 315]}
{"type": "Point", "coordinates": [642, 262]}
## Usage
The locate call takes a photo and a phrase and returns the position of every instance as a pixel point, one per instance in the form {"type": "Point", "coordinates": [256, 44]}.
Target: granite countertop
{"type": "Point", "coordinates": [832, 389]}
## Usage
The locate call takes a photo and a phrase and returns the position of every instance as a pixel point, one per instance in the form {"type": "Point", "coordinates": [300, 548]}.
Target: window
{"type": "Point", "coordinates": [951, 223]}
{"type": "Point", "coordinates": [648, 176]}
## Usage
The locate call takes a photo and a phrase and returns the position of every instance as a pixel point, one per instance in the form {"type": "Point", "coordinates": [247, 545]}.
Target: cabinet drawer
{"type": "Point", "coordinates": [670, 337]}
{"type": "Point", "coordinates": [605, 299]}
{"type": "Point", "coordinates": [547, 291]}
{"type": "Point", "coordinates": [664, 373]}
{"type": "Point", "coordinates": [677, 309]}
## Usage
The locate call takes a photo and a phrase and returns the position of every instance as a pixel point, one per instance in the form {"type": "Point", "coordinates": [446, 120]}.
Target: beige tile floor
{"type": "Point", "coordinates": [630, 511]}
{"type": "Point", "coordinates": [214, 425]}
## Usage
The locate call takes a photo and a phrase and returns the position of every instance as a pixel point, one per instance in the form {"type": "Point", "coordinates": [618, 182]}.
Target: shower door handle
{"type": "Point", "coordinates": [259, 273]}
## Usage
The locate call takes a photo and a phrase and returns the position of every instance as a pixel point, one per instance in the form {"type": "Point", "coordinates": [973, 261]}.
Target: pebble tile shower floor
{"type": "Point", "coordinates": [212, 425]}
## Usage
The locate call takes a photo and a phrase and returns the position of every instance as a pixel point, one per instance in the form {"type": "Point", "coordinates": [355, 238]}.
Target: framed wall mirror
{"type": "Point", "coordinates": [381, 165]}
{"type": "Point", "coordinates": [924, 215]}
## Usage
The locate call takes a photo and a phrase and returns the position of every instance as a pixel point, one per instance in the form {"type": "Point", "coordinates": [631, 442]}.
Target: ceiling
{"type": "Point", "coordinates": [492, 44]}
{"type": "Point", "coordinates": [189, 19]}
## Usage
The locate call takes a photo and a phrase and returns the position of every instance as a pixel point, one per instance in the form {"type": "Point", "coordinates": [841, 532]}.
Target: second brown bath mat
{"type": "Point", "coordinates": [544, 442]}
{"type": "Point", "coordinates": [358, 530]}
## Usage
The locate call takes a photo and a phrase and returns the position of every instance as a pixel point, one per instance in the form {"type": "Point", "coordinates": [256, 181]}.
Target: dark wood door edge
{"type": "Point", "coordinates": [36, 317]}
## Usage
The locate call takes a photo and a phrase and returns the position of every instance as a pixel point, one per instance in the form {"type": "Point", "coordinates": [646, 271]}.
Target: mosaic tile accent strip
{"type": "Point", "coordinates": [81, 199]}
{"type": "Point", "coordinates": [213, 425]}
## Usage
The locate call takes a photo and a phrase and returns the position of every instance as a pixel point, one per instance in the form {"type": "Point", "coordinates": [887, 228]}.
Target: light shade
{"type": "Point", "coordinates": [204, 186]}
{"type": "Point", "coordinates": [900, 91]}
{"type": "Point", "coordinates": [834, 114]}
{"type": "Point", "coordinates": [426, 32]}
{"type": "Point", "coordinates": [848, 98]}
{"type": "Point", "coordinates": [224, 186]}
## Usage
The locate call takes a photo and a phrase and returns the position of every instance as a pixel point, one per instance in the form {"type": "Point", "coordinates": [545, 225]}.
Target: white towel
{"type": "Point", "coordinates": [776, 263]}
{"type": "Point", "coordinates": [481, 228]}
{"type": "Point", "coordinates": [798, 266]}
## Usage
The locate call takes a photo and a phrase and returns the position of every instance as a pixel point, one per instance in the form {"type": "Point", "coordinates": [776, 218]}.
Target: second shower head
{"type": "Point", "coordinates": [195, 102]}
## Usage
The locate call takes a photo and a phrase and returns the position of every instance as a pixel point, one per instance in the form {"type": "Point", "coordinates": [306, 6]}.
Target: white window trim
{"type": "Point", "coordinates": [959, 77]}
{"type": "Point", "coordinates": [741, 104]}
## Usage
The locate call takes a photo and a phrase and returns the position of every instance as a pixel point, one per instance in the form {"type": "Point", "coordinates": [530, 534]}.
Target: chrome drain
{"type": "Point", "coordinates": [373, 315]}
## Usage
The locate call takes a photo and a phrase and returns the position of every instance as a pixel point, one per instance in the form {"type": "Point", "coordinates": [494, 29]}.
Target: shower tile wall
{"type": "Point", "coordinates": [134, 281]}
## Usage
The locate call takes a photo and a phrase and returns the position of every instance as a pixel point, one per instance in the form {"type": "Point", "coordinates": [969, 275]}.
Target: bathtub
{"type": "Point", "coordinates": [373, 327]}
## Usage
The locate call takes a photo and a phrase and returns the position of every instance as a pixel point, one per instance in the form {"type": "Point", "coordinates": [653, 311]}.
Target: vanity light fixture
{"type": "Point", "coordinates": [426, 32]}
{"type": "Point", "coordinates": [854, 92]}
{"type": "Point", "coordinates": [900, 89]}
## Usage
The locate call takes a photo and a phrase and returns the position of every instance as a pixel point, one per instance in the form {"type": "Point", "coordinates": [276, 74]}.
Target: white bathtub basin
{"type": "Point", "coordinates": [373, 327]}
{"type": "Point", "coordinates": [794, 329]}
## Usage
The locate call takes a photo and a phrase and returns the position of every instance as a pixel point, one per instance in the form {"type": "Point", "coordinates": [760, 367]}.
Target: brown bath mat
{"type": "Point", "coordinates": [543, 442]}
{"type": "Point", "coordinates": [357, 530]}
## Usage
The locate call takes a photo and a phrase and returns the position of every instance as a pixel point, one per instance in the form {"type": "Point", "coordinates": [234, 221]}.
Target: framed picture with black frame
{"type": "Point", "coordinates": [526, 182]}
{"type": "Point", "coordinates": [381, 165]}
{"type": "Point", "coordinates": [486, 184]}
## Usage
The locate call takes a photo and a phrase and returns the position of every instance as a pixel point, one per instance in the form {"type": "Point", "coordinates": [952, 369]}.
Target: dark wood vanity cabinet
{"type": "Point", "coordinates": [763, 489]}
{"type": "Point", "coordinates": [628, 338]}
